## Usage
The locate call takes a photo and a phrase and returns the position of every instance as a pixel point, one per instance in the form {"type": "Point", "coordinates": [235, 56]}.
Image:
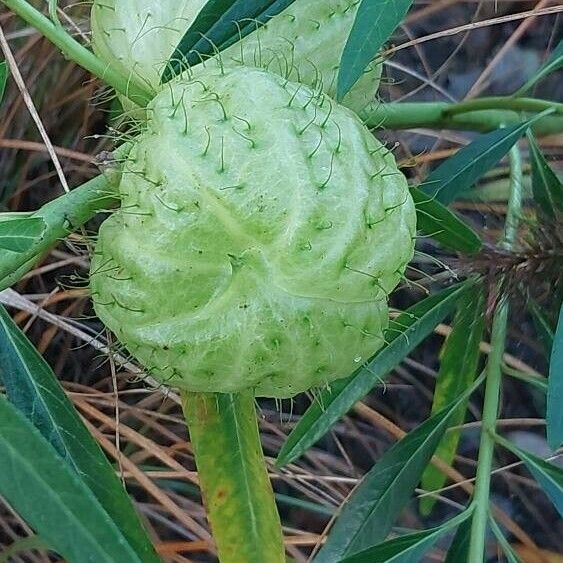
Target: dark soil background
{"type": "Point", "coordinates": [491, 60]}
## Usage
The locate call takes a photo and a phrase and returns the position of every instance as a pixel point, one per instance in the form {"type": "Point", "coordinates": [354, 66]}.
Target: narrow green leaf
{"type": "Point", "coordinates": [555, 389]}
{"type": "Point", "coordinates": [33, 388]}
{"type": "Point", "coordinates": [437, 221]}
{"type": "Point", "coordinates": [368, 516]}
{"type": "Point", "coordinates": [548, 476]}
{"type": "Point", "coordinates": [410, 548]}
{"type": "Point", "coordinates": [458, 369]}
{"type": "Point", "coordinates": [375, 22]}
{"type": "Point", "coordinates": [461, 171]}
{"type": "Point", "coordinates": [404, 334]}
{"type": "Point", "coordinates": [538, 382]}
{"type": "Point", "coordinates": [218, 25]}
{"type": "Point", "coordinates": [52, 498]}
{"type": "Point", "coordinates": [553, 63]}
{"type": "Point", "coordinates": [3, 78]}
{"type": "Point", "coordinates": [511, 555]}
{"type": "Point", "coordinates": [20, 234]}
{"type": "Point", "coordinates": [546, 186]}
{"type": "Point", "coordinates": [233, 478]}
{"type": "Point", "coordinates": [459, 548]}
{"type": "Point", "coordinates": [542, 325]}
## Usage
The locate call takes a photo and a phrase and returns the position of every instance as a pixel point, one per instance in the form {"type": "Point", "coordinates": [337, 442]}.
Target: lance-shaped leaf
{"type": "Point", "coordinates": [544, 330]}
{"type": "Point", "coordinates": [19, 234]}
{"type": "Point", "coordinates": [459, 548]}
{"type": "Point", "coordinates": [410, 548]}
{"type": "Point", "coordinates": [437, 221]}
{"type": "Point", "coordinates": [458, 369]}
{"type": "Point", "coordinates": [461, 171]}
{"type": "Point", "coordinates": [33, 388]}
{"type": "Point", "coordinates": [369, 514]}
{"type": "Point", "coordinates": [218, 25]}
{"type": "Point", "coordinates": [546, 186]}
{"type": "Point", "coordinates": [232, 476]}
{"type": "Point", "coordinates": [511, 555]}
{"type": "Point", "coordinates": [3, 78]}
{"type": "Point", "coordinates": [53, 499]}
{"type": "Point", "coordinates": [555, 389]}
{"type": "Point", "coordinates": [404, 334]}
{"type": "Point", "coordinates": [548, 476]}
{"type": "Point", "coordinates": [375, 22]}
{"type": "Point", "coordinates": [553, 63]}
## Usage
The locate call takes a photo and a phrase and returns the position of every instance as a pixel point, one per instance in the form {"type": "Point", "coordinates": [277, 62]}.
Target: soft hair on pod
{"type": "Point", "coordinates": [304, 43]}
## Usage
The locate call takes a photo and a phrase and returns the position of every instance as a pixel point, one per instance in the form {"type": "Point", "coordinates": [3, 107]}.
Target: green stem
{"type": "Point", "coordinates": [486, 446]}
{"type": "Point", "coordinates": [233, 477]}
{"type": "Point", "coordinates": [73, 50]}
{"type": "Point", "coordinates": [494, 376]}
{"type": "Point", "coordinates": [61, 216]}
{"type": "Point", "coordinates": [515, 198]}
{"type": "Point", "coordinates": [503, 103]}
{"type": "Point", "coordinates": [436, 115]}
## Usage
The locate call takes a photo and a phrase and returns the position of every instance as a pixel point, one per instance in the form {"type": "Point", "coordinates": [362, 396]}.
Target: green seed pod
{"type": "Point", "coordinates": [137, 37]}
{"type": "Point", "coordinates": [304, 43]}
{"type": "Point", "coordinates": [261, 230]}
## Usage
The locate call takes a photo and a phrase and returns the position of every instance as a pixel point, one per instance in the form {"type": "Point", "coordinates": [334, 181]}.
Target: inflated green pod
{"type": "Point", "coordinates": [261, 230]}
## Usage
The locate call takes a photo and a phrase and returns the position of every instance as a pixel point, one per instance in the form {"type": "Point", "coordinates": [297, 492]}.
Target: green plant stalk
{"type": "Point", "coordinates": [502, 102]}
{"type": "Point", "coordinates": [72, 49]}
{"type": "Point", "coordinates": [437, 115]}
{"type": "Point", "coordinates": [494, 376]}
{"type": "Point", "coordinates": [233, 478]}
{"type": "Point", "coordinates": [62, 216]}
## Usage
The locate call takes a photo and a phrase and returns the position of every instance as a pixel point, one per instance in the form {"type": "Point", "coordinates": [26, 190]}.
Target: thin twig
{"type": "Point", "coordinates": [13, 65]}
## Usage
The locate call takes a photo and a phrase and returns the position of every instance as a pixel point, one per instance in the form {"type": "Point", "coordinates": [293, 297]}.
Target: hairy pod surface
{"type": "Point", "coordinates": [260, 232]}
{"type": "Point", "coordinates": [303, 43]}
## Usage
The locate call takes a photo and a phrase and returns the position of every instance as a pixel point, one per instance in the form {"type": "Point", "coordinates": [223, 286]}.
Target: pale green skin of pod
{"type": "Point", "coordinates": [261, 230]}
{"type": "Point", "coordinates": [303, 43]}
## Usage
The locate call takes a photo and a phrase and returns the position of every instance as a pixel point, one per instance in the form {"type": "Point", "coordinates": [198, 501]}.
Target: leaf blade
{"type": "Point", "coordinates": [331, 405]}
{"type": "Point", "coordinates": [438, 222]}
{"type": "Point", "coordinates": [458, 369]}
{"type": "Point", "coordinates": [52, 498]}
{"type": "Point", "coordinates": [34, 390]}
{"type": "Point", "coordinates": [409, 548]}
{"type": "Point", "coordinates": [218, 25]}
{"type": "Point", "coordinates": [548, 476]}
{"type": "Point", "coordinates": [3, 78]}
{"type": "Point", "coordinates": [546, 186]}
{"type": "Point", "coordinates": [511, 555]}
{"type": "Point", "coordinates": [238, 493]}
{"type": "Point", "coordinates": [461, 171]}
{"type": "Point", "coordinates": [553, 63]}
{"type": "Point", "coordinates": [459, 548]}
{"type": "Point", "coordinates": [19, 234]}
{"type": "Point", "coordinates": [377, 501]}
{"type": "Point", "coordinates": [555, 389]}
{"type": "Point", "coordinates": [375, 21]}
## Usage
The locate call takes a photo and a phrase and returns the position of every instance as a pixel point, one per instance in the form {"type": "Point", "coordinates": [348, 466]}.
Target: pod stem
{"type": "Point", "coordinates": [233, 477]}
{"type": "Point", "coordinates": [61, 217]}
{"type": "Point", "coordinates": [484, 114]}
